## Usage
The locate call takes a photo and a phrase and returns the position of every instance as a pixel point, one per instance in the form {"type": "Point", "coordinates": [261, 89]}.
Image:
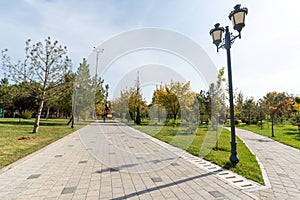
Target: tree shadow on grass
{"type": "Point", "coordinates": [297, 137]}
{"type": "Point", "coordinates": [17, 122]}
{"type": "Point", "coordinates": [221, 149]}
{"type": "Point", "coordinates": [291, 129]}
{"type": "Point", "coordinates": [26, 122]}
{"type": "Point", "coordinates": [292, 133]}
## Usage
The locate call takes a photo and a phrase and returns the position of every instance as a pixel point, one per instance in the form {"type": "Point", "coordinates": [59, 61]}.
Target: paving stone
{"type": "Point", "coordinates": [68, 190]}
{"type": "Point", "coordinates": [216, 194]}
{"type": "Point", "coordinates": [33, 176]}
{"type": "Point", "coordinates": [156, 179]}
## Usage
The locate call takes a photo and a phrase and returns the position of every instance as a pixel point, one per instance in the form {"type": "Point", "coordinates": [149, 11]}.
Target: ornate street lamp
{"type": "Point", "coordinates": [216, 34]}
{"type": "Point", "coordinates": [237, 16]}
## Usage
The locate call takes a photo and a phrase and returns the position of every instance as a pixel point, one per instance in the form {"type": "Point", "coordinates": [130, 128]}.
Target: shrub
{"type": "Point", "coordinates": [237, 121]}
{"type": "Point", "coordinates": [27, 115]}
{"type": "Point", "coordinates": [253, 121]}
{"type": "Point", "coordinates": [173, 123]}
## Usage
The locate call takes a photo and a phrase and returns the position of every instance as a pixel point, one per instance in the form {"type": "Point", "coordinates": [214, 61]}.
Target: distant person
{"type": "Point", "coordinates": [104, 116]}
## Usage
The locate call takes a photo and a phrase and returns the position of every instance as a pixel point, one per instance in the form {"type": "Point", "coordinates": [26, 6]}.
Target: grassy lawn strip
{"type": "Point", "coordinates": [17, 141]}
{"type": "Point", "coordinates": [286, 134]}
{"type": "Point", "coordinates": [247, 167]}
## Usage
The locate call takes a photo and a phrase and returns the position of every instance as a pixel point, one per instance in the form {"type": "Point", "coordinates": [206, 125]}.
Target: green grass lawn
{"type": "Point", "coordinates": [286, 134]}
{"type": "Point", "coordinates": [247, 167]}
{"type": "Point", "coordinates": [17, 141]}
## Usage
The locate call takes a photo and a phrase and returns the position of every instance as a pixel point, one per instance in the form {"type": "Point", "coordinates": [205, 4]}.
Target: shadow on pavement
{"type": "Point", "coordinates": [119, 168]}
{"type": "Point", "coordinates": [114, 169]}
{"type": "Point", "coordinates": [164, 186]}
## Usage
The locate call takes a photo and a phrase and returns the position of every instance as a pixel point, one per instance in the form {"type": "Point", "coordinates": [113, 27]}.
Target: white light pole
{"type": "Point", "coordinates": [97, 50]}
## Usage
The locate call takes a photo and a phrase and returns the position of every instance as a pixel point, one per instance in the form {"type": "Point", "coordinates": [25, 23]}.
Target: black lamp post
{"type": "Point", "coordinates": [237, 16]}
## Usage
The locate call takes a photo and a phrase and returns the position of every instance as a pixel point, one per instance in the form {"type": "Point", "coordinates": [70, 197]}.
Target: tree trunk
{"type": "Point", "coordinates": [299, 128]}
{"type": "Point", "coordinates": [158, 115]}
{"type": "Point", "coordinates": [217, 141]}
{"type": "Point", "coordinates": [249, 118]}
{"type": "Point", "coordinates": [39, 113]}
{"type": "Point", "coordinates": [273, 127]}
{"type": "Point", "coordinates": [47, 114]}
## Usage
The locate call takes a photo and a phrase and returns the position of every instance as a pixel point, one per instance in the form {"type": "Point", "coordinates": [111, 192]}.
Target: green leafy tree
{"type": "Point", "coordinates": [121, 104]}
{"type": "Point", "coordinates": [84, 92]}
{"type": "Point", "coordinates": [101, 98]}
{"type": "Point", "coordinates": [126, 104]}
{"type": "Point", "coordinates": [176, 98]}
{"type": "Point", "coordinates": [275, 103]}
{"type": "Point", "coordinates": [64, 101]}
{"type": "Point", "coordinates": [295, 120]}
{"type": "Point", "coordinates": [248, 109]}
{"type": "Point", "coordinates": [5, 94]}
{"type": "Point", "coordinates": [16, 98]}
{"type": "Point", "coordinates": [217, 101]}
{"type": "Point", "coordinates": [239, 104]}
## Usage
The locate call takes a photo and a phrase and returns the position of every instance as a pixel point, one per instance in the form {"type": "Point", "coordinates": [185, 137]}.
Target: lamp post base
{"type": "Point", "coordinates": [234, 159]}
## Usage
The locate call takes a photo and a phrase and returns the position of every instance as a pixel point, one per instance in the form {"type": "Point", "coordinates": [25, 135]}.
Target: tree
{"type": "Point", "coordinates": [275, 104]}
{"type": "Point", "coordinates": [64, 101]}
{"type": "Point", "coordinates": [5, 94]}
{"type": "Point", "coordinates": [204, 104]}
{"type": "Point", "coordinates": [24, 103]}
{"type": "Point", "coordinates": [176, 97]}
{"type": "Point", "coordinates": [126, 104]}
{"type": "Point", "coordinates": [16, 98]}
{"type": "Point", "coordinates": [45, 64]}
{"type": "Point", "coordinates": [121, 104]}
{"type": "Point", "coordinates": [217, 101]}
{"type": "Point", "coordinates": [84, 89]}
{"type": "Point", "coordinates": [101, 97]}
{"type": "Point", "coordinates": [295, 120]}
{"type": "Point", "coordinates": [248, 109]}
{"type": "Point", "coordinates": [239, 104]}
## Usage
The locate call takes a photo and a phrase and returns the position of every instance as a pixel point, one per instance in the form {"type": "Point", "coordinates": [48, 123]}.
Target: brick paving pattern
{"type": "Point", "coordinates": [114, 161]}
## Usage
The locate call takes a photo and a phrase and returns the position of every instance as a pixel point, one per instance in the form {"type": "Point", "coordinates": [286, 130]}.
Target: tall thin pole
{"type": "Point", "coordinates": [97, 58]}
{"type": "Point", "coordinates": [97, 50]}
{"type": "Point", "coordinates": [233, 157]}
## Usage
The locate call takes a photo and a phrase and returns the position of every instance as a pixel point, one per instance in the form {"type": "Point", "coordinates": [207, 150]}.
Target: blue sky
{"type": "Point", "coordinates": [267, 58]}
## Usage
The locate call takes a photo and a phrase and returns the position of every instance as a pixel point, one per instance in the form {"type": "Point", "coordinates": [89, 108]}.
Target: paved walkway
{"type": "Point", "coordinates": [281, 163]}
{"type": "Point", "coordinates": [127, 164]}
